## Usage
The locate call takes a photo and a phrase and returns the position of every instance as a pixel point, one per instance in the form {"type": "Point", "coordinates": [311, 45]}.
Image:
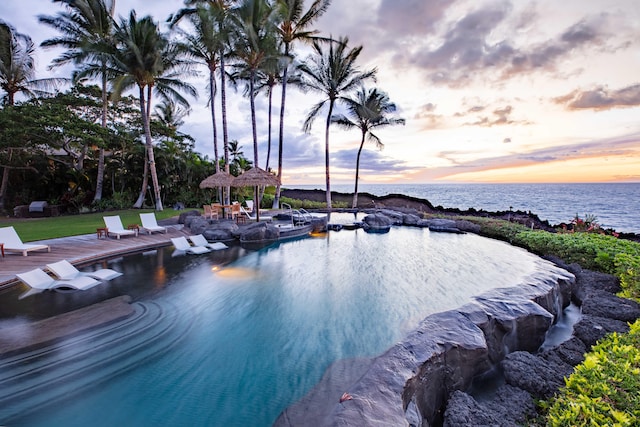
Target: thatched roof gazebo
{"type": "Point", "coordinates": [255, 177]}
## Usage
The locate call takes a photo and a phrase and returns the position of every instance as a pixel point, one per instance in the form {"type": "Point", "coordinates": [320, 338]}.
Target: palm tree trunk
{"type": "Point", "coordinates": [150, 159]}
{"type": "Point", "coordinates": [225, 134]}
{"type": "Point", "coordinates": [212, 94]}
{"type": "Point", "coordinates": [276, 199]}
{"type": "Point", "coordinates": [4, 186]}
{"type": "Point", "coordinates": [100, 174]}
{"type": "Point", "coordinates": [326, 153]}
{"type": "Point", "coordinates": [355, 190]}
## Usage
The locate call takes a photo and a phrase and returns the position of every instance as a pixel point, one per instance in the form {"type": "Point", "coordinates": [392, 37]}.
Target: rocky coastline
{"type": "Point", "coordinates": [425, 379]}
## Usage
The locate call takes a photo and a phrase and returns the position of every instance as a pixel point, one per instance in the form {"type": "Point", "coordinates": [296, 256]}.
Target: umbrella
{"type": "Point", "coordinates": [255, 177]}
{"type": "Point", "coordinates": [219, 179]}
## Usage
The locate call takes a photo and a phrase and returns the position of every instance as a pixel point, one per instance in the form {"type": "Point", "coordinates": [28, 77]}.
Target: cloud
{"type": "Point", "coordinates": [460, 52]}
{"type": "Point", "coordinates": [370, 161]}
{"type": "Point", "coordinates": [601, 98]}
{"type": "Point", "coordinates": [626, 145]}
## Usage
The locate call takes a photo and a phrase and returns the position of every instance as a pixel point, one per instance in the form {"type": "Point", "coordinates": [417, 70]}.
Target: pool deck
{"type": "Point", "coordinates": [83, 249]}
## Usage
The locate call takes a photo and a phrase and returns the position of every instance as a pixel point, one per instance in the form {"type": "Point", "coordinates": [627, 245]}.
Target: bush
{"type": "Point", "coordinates": [594, 251]}
{"type": "Point", "coordinates": [605, 389]}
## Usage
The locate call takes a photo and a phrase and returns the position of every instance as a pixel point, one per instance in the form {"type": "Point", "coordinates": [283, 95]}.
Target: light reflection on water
{"type": "Point", "coordinates": [256, 330]}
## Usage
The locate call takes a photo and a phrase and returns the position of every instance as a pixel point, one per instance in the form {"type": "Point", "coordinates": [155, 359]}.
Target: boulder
{"type": "Point", "coordinates": [186, 217]}
{"type": "Point", "coordinates": [604, 304]}
{"type": "Point", "coordinates": [443, 225]}
{"type": "Point", "coordinates": [221, 231]}
{"type": "Point", "coordinates": [377, 220]}
{"type": "Point", "coordinates": [590, 329]}
{"type": "Point", "coordinates": [509, 406]}
{"type": "Point", "coordinates": [411, 219]}
{"type": "Point", "coordinates": [259, 231]}
{"type": "Point", "coordinates": [538, 376]}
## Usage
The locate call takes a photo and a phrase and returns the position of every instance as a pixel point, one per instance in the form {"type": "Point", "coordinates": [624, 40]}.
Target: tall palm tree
{"type": "Point", "coordinates": [367, 110]}
{"type": "Point", "coordinates": [145, 58]}
{"type": "Point", "coordinates": [293, 25]}
{"type": "Point", "coordinates": [17, 75]}
{"type": "Point", "coordinates": [254, 44]}
{"type": "Point", "coordinates": [17, 67]}
{"type": "Point", "coordinates": [207, 35]}
{"type": "Point", "coordinates": [85, 26]}
{"type": "Point", "coordinates": [331, 72]}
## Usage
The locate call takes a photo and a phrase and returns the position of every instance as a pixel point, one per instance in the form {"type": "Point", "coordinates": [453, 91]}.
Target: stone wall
{"type": "Point", "coordinates": [409, 385]}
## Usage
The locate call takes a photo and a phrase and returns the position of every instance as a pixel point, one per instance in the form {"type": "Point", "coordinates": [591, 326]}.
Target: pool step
{"type": "Point", "coordinates": [50, 374]}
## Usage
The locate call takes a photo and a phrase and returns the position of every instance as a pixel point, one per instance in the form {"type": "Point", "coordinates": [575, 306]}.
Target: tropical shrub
{"type": "Point", "coordinates": [593, 251]}
{"type": "Point", "coordinates": [605, 389]}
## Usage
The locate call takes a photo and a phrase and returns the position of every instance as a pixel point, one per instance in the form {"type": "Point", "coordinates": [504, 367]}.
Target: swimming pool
{"type": "Point", "coordinates": [232, 338]}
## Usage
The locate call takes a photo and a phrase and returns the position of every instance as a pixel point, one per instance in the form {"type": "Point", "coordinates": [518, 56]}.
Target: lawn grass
{"type": "Point", "coordinates": [31, 229]}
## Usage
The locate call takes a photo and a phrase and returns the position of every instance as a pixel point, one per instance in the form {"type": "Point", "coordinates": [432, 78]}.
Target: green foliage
{"type": "Point", "coordinates": [605, 389]}
{"type": "Point", "coordinates": [309, 204]}
{"type": "Point", "coordinates": [496, 228]}
{"type": "Point", "coordinates": [593, 251]}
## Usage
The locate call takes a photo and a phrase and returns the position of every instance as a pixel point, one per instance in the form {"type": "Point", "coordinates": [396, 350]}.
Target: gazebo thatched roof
{"type": "Point", "coordinates": [255, 177]}
{"type": "Point", "coordinates": [219, 179]}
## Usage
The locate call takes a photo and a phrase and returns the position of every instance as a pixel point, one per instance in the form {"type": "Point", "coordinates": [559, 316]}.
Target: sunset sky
{"type": "Point", "coordinates": [492, 91]}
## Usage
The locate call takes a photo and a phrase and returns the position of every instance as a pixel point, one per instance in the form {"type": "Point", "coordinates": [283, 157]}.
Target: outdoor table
{"type": "Point", "coordinates": [134, 227]}
{"type": "Point", "coordinates": [102, 232]}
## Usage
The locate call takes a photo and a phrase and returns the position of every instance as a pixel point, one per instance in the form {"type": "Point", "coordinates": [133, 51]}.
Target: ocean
{"type": "Point", "coordinates": [615, 205]}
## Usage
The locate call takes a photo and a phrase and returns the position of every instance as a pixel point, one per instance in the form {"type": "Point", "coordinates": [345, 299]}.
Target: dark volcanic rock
{"type": "Point", "coordinates": [510, 406]}
{"type": "Point", "coordinates": [571, 351]}
{"type": "Point", "coordinates": [590, 328]}
{"type": "Point", "coordinates": [540, 377]}
{"type": "Point", "coordinates": [259, 231]}
{"type": "Point", "coordinates": [604, 304]}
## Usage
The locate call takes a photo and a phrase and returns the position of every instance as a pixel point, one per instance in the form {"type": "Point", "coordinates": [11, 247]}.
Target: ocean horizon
{"type": "Point", "coordinates": [615, 205]}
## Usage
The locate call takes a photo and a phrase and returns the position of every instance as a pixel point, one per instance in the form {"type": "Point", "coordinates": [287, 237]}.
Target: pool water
{"type": "Point", "coordinates": [232, 338]}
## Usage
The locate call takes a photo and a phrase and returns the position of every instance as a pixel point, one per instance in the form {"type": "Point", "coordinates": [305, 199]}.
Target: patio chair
{"type": "Point", "coordinates": [199, 240]}
{"type": "Point", "coordinates": [13, 243]}
{"type": "Point", "coordinates": [64, 270]}
{"type": "Point", "coordinates": [150, 224]}
{"type": "Point", "coordinates": [181, 244]}
{"type": "Point", "coordinates": [38, 279]}
{"type": "Point", "coordinates": [115, 227]}
{"type": "Point", "coordinates": [209, 212]}
{"type": "Point", "coordinates": [235, 210]}
{"type": "Point", "coordinates": [249, 204]}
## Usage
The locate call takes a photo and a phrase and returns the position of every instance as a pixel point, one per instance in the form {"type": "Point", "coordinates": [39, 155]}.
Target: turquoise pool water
{"type": "Point", "coordinates": [232, 338]}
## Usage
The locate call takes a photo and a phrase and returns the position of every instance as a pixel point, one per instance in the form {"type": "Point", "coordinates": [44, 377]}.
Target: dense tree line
{"type": "Point", "coordinates": [93, 147]}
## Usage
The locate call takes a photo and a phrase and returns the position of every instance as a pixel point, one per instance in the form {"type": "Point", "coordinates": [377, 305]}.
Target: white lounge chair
{"type": "Point", "coordinates": [64, 270]}
{"type": "Point", "coordinates": [38, 279]}
{"type": "Point", "coordinates": [13, 243]}
{"type": "Point", "coordinates": [183, 245]}
{"type": "Point", "coordinates": [150, 224]}
{"type": "Point", "coordinates": [115, 227]}
{"type": "Point", "coordinates": [199, 240]}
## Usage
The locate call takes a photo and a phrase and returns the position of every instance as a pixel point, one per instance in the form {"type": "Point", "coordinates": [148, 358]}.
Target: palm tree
{"type": "Point", "coordinates": [367, 110]}
{"type": "Point", "coordinates": [17, 75]}
{"type": "Point", "coordinates": [145, 58]}
{"type": "Point", "coordinates": [254, 44]}
{"type": "Point", "coordinates": [210, 44]}
{"type": "Point", "coordinates": [292, 27]}
{"type": "Point", "coordinates": [17, 68]}
{"type": "Point", "coordinates": [85, 27]}
{"type": "Point", "coordinates": [332, 73]}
